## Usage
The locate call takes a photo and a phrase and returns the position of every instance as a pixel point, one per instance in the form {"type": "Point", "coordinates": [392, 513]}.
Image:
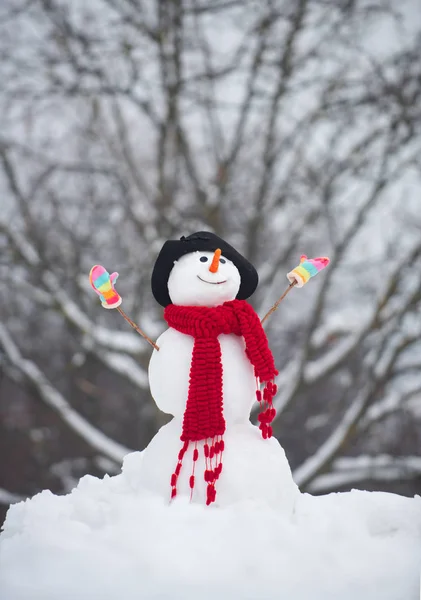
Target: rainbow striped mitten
{"type": "Point", "coordinates": [103, 284]}
{"type": "Point", "coordinates": [308, 267]}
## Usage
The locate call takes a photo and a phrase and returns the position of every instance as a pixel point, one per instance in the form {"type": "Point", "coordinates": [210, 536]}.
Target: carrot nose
{"type": "Point", "coordinates": [215, 261]}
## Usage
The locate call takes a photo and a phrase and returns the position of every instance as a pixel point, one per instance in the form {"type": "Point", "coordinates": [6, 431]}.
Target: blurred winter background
{"type": "Point", "coordinates": [286, 127]}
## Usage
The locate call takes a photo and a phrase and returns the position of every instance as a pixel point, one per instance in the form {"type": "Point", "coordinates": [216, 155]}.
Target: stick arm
{"type": "Point", "coordinates": [103, 285]}
{"type": "Point", "coordinates": [308, 268]}
{"type": "Point", "coordinates": [277, 303]}
{"type": "Point", "coordinates": [137, 328]}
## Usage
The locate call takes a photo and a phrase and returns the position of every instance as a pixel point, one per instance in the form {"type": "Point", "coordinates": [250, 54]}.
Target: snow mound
{"type": "Point", "coordinates": [110, 539]}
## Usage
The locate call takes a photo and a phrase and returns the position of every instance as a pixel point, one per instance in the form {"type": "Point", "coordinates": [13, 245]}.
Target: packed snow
{"type": "Point", "coordinates": [112, 539]}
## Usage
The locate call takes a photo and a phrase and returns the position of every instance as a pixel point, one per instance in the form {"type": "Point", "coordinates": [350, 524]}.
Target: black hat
{"type": "Point", "coordinates": [202, 241]}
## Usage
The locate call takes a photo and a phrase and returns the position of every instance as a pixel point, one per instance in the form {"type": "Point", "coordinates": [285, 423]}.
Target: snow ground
{"type": "Point", "coordinates": [109, 539]}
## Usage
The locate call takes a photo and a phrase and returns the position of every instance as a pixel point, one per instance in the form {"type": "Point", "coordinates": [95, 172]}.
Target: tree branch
{"type": "Point", "coordinates": [350, 471]}
{"type": "Point", "coordinates": [54, 399]}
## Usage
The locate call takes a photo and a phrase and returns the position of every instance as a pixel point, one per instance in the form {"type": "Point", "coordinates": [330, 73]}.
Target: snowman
{"type": "Point", "coordinates": [207, 370]}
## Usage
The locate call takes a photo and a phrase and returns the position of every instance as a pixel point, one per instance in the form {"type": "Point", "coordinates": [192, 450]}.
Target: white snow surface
{"type": "Point", "coordinates": [111, 539]}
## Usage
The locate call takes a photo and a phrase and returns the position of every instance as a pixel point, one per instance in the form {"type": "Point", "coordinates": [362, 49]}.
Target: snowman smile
{"type": "Point", "coordinates": [212, 282]}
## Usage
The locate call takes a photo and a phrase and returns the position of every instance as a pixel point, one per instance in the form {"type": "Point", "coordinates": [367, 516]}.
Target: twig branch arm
{"type": "Point", "coordinates": [277, 303]}
{"type": "Point", "coordinates": [103, 284]}
{"type": "Point", "coordinates": [308, 268]}
{"type": "Point", "coordinates": [137, 328]}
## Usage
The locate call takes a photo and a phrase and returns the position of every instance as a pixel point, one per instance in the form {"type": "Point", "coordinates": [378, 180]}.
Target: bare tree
{"type": "Point", "coordinates": [285, 127]}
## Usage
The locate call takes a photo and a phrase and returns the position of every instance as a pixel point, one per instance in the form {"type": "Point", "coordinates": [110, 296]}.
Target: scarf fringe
{"type": "Point", "coordinates": [212, 451]}
{"type": "Point", "coordinates": [267, 410]}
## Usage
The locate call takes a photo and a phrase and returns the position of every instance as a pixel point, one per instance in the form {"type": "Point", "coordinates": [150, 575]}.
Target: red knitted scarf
{"type": "Point", "coordinates": [203, 417]}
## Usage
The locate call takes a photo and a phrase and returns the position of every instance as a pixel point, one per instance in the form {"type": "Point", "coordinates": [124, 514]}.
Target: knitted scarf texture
{"type": "Point", "coordinates": [203, 416]}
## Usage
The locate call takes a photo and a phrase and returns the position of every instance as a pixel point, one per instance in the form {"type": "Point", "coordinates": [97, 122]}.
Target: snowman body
{"type": "Point", "coordinates": [169, 372]}
{"type": "Point", "coordinates": [253, 468]}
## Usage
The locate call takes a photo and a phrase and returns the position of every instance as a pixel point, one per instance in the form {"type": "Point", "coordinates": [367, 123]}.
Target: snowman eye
{"type": "Point", "coordinates": [222, 260]}
{"type": "Point", "coordinates": [203, 259]}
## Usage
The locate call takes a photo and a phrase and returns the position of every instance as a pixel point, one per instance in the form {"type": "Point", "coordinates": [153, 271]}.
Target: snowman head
{"type": "Point", "coordinates": [201, 269]}
{"type": "Point", "coordinates": [203, 279]}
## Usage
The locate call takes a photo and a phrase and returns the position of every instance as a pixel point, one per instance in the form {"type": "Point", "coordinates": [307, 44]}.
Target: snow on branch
{"type": "Point", "coordinates": [381, 364]}
{"type": "Point", "coordinates": [126, 366]}
{"type": "Point", "coordinates": [288, 382]}
{"type": "Point", "coordinates": [112, 339]}
{"type": "Point", "coordinates": [317, 369]}
{"type": "Point", "coordinates": [54, 399]}
{"type": "Point", "coordinates": [21, 244]}
{"type": "Point", "coordinates": [389, 405]}
{"type": "Point", "coordinates": [349, 471]}
{"type": "Point", "coordinates": [313, 465]}
{"type": "Point", "coordinates": [7, 497]}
